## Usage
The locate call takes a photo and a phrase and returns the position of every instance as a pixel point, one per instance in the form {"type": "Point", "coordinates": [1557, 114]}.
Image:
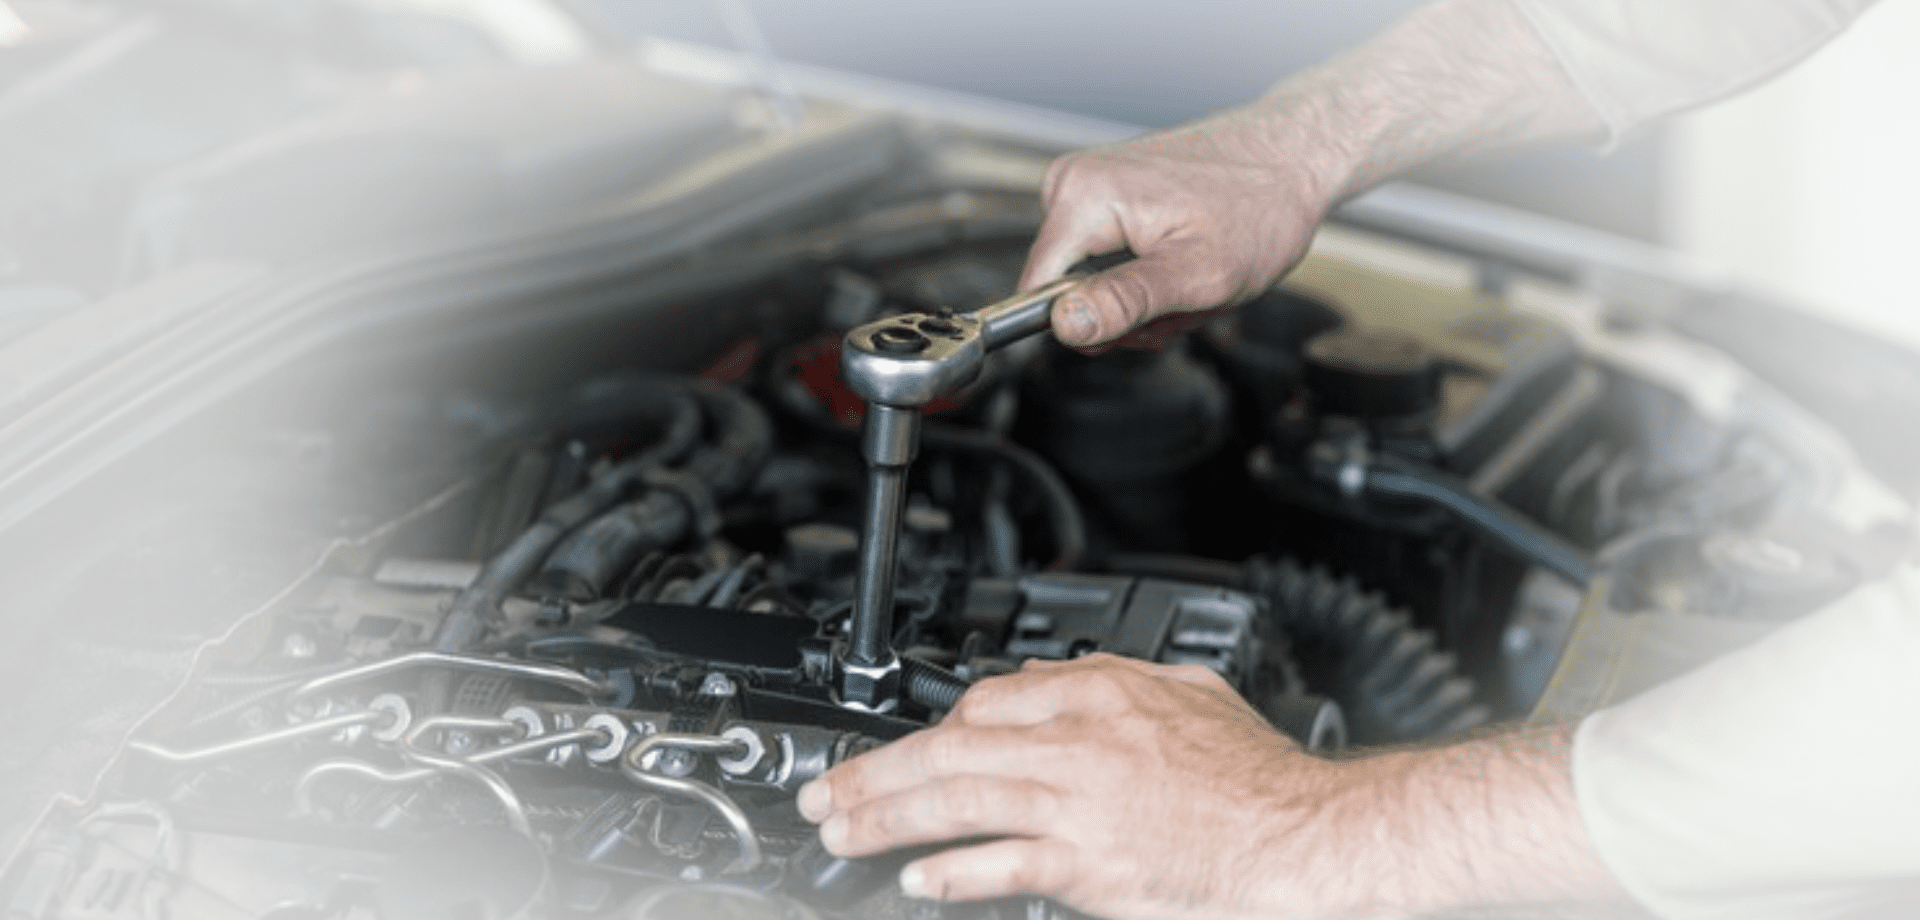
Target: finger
{"type": "Point", "coordinates": [1009, 700]}
{"type": "Point", "coordinates": [1173, 277]}
{"type": "Point", "coordinates": [1065, 691]}
{"type": "Point", "coordinates": [925, 756]}
{"type": "Point", "coordinates": [991, 870]}
{"type": "Point", "coordinates": [1071, 232]}
{"type": "Point", "coordinates": [1043, 692]}
{"type": "Point", "coordinates": [1039, 692]}
{"type": "Point", "coordinates": [952, 808]}
{"type": "Point", "coordinates": [1185, 673]}
{"type": "Point", "coordinates": [1072, 218]}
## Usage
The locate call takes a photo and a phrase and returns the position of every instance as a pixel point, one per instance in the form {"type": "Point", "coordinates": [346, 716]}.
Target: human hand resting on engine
{"type": "Point", "coordinates": [1135, 790]}
{"type": "Point", "coordinates": [1113, 784]}
{"type": "Point", "coordinates": [1218, 210]}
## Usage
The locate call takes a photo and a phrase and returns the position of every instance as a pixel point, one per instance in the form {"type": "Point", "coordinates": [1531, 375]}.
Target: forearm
{"type": "Point", "coordinates": [1484, 823]}
{"type": "Point", "coordinates": [1219, 209]}
{"type": "Point", "coordinates": [1452, 78]}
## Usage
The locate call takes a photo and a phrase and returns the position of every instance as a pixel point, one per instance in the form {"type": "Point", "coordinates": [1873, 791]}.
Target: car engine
{"type": "Point", "coordinates": [585, 676]}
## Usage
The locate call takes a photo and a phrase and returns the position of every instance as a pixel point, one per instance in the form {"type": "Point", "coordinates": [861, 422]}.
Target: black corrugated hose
{"type": "Point", "coordinates": [1392, 682]}
{"type": "Point", "coordinates": [1389, 677]}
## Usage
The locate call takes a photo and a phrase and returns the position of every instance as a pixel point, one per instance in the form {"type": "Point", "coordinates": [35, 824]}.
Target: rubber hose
{"type": "Point", "coordinates": [1397, 478]}
{"type": "Point", "coordinates": [1064, 517]}
{"type": "Point", "coordinates": [591, 558]}
{"type": "Point", "coordinates": [585, 565]}
{"type": "Point", "coordinates": [1069, 525]}
{"type": "Point", "coordinates": [667, 400]}
{"type": "Point", "coordinates": [1392, 682]}
{"type": "Point", "coordinates": [930, 685]}
{"type": "Point", "coordinates": [477, 608]}
{"type": "Point", "coordinates": [744, 442]}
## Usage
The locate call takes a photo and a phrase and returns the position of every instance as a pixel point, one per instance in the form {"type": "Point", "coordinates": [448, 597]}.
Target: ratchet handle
{"type": "Point", "coordinates": [1007, 321]}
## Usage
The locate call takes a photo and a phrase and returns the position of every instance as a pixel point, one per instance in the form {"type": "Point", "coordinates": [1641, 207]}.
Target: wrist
{"type": "Point", "coordinates": [1486, 822]}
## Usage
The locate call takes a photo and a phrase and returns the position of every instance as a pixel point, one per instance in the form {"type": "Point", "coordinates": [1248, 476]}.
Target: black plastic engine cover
{"type": "Point", "coordinates": [1066, 616]}
{"type": "Point", "coordinates": [759, 640]}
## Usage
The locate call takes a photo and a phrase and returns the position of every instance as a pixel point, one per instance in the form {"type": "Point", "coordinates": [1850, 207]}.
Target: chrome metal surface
{"type": "Point", "coordinates": [743, 831]}
{"type": "Point", "coordinates": [912, 359]}
{"type": "Point", "coordinates": [898, 364]}
{"type": "Point", "coordinates": [871, 627]}
{"type": "Point", "coordinates": [544, 673]}
{"type": "Point", "coordinates": [269, 739]}
{"type": "Point", "coordinates": [1021, 315]}
{"type": "Point", "coordinates": [915, 358]}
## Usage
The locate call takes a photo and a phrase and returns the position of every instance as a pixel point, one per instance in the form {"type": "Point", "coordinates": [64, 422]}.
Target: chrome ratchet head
{"type": "Point", "coordinates": [912, 359]}
{"type": "Point", "coordinates": [915, 358]}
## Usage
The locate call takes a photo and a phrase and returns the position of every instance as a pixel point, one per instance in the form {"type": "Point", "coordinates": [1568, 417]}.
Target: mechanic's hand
{"type": "Point", "coordinates": [1216, 212]}
{"type": "Point", "coordinates": [1118, 787]}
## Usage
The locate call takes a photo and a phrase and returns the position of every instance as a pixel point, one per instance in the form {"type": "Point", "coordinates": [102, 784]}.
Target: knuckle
{"type": "Point", "coordinates": [980, 698]}
{"type": "Point", "coordinates": [1135, 290]}
{"type": "Point", "coordinates": [1059, 174]}
{"type": "Point", "coordinates": [1103, 686]}
{"type": "Point", "coordinates": [1119, 300]}
{"type": "Point", "coordinates": [1211, 288]}
{"type": "Point", "coordinates": [966, 805]}
{"type": "Point", "coordinates": [1024, 875]}
{"type": "Point", "coordinates": [1038, 872]}
{"type": "Point", "coordinates": [846, 782]}
{"type": "Point", "coordinates": [897, 819]}
{"type": "Point", "coordinates": [940, 748]}
{"type": "Point", "coordinates": [870, 823]}
{"type": "Point", "coordinates": [967, 709]}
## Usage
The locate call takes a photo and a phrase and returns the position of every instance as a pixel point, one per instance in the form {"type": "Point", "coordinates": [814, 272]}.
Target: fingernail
{"type": "Point", "coordinates": [815, 800]}
{"type": "Point", "coordinates": [1078, 324]}
{"type": "Point", "coordinates": [833, 834]}
{"type": "Point", "coordinates": [913, 882]}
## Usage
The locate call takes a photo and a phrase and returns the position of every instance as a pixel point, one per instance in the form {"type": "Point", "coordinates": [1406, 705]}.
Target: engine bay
{"type": "Point", "coordinates": [585, 675]}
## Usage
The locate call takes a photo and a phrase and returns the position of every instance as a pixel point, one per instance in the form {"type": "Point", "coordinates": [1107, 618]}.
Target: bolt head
{"type": "Point", "coordinates": [676, 762]}
{"type": "Point", "coordinates": [717, 684]}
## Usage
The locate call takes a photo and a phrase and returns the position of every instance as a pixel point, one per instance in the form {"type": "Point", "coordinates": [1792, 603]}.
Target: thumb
{"type": "Point", "coordinates": [1173, 278]}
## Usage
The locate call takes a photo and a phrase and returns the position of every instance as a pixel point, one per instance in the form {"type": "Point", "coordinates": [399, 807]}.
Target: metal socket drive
{"type": "Point", "coordinates": [891, 436]}
{"type": "Point", "coordinates": [875, 688]}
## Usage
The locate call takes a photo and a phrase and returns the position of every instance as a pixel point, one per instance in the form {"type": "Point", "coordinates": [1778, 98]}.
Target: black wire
{"type": "Point", "coordinates": [1063, 509]}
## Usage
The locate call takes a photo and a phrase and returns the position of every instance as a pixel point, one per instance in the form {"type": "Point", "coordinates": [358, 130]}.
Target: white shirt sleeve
{"type": "Point", "coordinates": [1780, 781]}
{"type": "Point", "coordinates": [1637, 60]}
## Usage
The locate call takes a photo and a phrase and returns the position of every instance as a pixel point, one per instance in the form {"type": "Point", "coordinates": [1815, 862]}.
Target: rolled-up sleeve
{"type": "Point", "coordinates": [1782, 781]}
{"type": "Point", "coordinates": [1637, 60]}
